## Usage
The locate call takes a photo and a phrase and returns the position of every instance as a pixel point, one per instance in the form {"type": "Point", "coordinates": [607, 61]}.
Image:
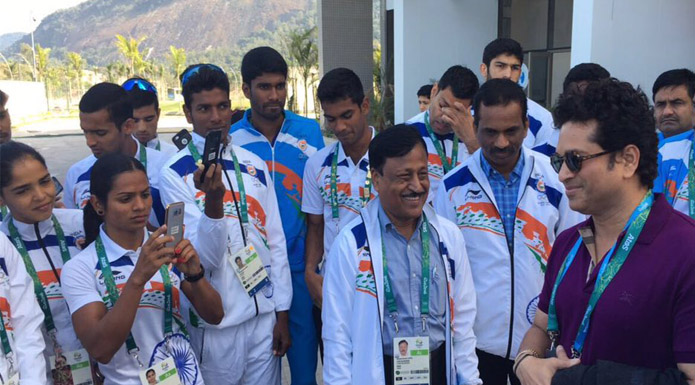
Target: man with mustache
{"type": "Point", "coordinates": [398, 272]}
{"type": "Point", "coordinates": [284, 141]}
{"type": "Point", "coordinates": [674, 112]}
{"type": "Point", "coordinates": [106, 119]}
{"type": "Point", "coordinates": [447, 125]}
{"type": "Point", "coordinates": [509, 205]}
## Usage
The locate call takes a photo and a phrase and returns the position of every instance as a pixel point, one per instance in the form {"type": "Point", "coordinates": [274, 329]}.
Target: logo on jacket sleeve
{"type": "Point", "coordinates": [531, 309]}
{"type": "Point", "coordinates": [364, 282]}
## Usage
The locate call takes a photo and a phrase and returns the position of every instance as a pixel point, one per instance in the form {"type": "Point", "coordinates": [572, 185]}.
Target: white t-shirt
{"type": "Point", "coordinates": [22, 316]}
{"type": "Point", "coordinates": [77, 179]}
{"type": "Point", "coordinates": [71, 224]}
{"type": "Point", "coordinates": [350, 183]}
{"type": "Point", "coordinates": [83, 284]}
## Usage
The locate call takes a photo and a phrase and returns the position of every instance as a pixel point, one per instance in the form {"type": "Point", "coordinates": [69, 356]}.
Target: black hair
{"type": "Point", "coordinates": [111, 97]}
{"type": "Point", "coordinates": [150, 371]}
{"type": "Point", "coordinates": [501, 46]}
{"type": "Point", "coordinates": [338, 84]}
{"type": "Point", "coordinates": [461, 80]}
{"type": "Point", "coordinates": [425, 91]}
{"type": "Point", "coordinates": [393, 142]}
{"type": "Point", "coordinates": [205, 79]}
{"type": "Point", "coordinates": [496, 92]}
{"type": "Point", "coordinates": [674, 78]}
{"type": "Point", "coordinates": [104, 172]}
{"type": "Point", "coordinates": [402, 341]}
{"type": "Point", "coordinates": [585, 72]}
{"type": "Point", "coordinates": [262, 60]}
{"type": "Point", "coordinates": [623, 117]}
{"type": "Point", "coordinates": [12, 152]}
{"type": "Point", "coordinates": [3, 98]}
{"type": "Point", "coordinates": [141, 98]}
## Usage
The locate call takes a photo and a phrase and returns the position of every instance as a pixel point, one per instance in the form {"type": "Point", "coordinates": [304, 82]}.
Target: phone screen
{"type": "Point", "coordinates": [59, 187]}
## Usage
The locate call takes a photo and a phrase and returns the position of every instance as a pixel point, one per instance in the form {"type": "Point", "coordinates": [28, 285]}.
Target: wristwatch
{"type": "Point", "coordinates": [197, 277]}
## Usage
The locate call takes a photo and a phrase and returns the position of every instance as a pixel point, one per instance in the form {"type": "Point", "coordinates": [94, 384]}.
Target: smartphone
{"type": "Point", "coordinates": [182, 138]}
{"type": "Point", "coordinates": [174, 222]}
{"type": "Point", "coordinates": [212, 151]}
{"type": "Point", "coordinates": [59, 187]}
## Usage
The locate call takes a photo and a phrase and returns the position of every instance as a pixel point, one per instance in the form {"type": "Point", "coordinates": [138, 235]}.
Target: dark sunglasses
{"type": "Point", "coordinates": [572, 159]}
{"type": "Point", "coordinates": [140, 84]}
{"type": "Point", "coordinates": [194, 70]}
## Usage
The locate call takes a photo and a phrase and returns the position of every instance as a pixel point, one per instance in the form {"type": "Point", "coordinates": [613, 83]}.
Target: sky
{"type": "Point", "coordinates": [17, 17]}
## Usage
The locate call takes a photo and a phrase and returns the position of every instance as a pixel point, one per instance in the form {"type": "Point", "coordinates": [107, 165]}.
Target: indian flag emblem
{"type": "Point", "coordinates": [540, 186]}
{"type": "Point", "coordinates": [302, 145]}
{"type": "Point", "coordinates": [251, 170]}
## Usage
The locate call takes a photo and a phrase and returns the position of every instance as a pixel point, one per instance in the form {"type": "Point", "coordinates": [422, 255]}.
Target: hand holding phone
{"type": "Point", "coordinates": [212, 151]}
{"type": "Point", "coordinates": [174, 222]}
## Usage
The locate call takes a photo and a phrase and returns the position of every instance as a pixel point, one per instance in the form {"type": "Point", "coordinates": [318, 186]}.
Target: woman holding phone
{"type": "Point", "coordinates": [45, 238]}
{"type": "Point", "coordinates": [124, 288]}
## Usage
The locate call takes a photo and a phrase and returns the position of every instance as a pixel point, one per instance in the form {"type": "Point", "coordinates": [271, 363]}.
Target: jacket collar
{"type": "Point", "coordinates": [482, 179]}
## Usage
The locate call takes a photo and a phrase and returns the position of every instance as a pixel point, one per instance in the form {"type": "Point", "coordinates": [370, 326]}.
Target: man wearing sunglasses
{"type": "Point", "coordinates": [284, 141]}
{"type": "Point", "coordinates": [619, 286]}
{"type": "Point", "coordinates": [509, 205]}
{"type": "Point", "coordinates": [143, 97]}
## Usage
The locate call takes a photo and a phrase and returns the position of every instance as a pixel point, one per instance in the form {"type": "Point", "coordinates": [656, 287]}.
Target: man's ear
{"type": "Point", "coordinates": [434, 91]}
{"type": "Point", "coordinates": [246, 88]}
{"type": "Point", "coordinates": [128, 126]}
{"type": "Point", "coordinates": [364, 107]}
{"type": "Point", "coordinates": [187, 112]}
{"type": "Point", "coordinates": [629, 157]}
{"type": "Point", "coordinates": [483, 70]}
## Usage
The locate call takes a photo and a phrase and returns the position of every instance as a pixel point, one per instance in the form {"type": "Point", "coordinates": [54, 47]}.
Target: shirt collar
{"type": "Point", "coordinates": [115, 251]}
{"type": "Point", "coordinates": [489, 171]}
{"type": "Point", "coordinates": [153, 142]}
{"type": "Point", "coordinates": [365, 158]}
{"type": "Point", "coordinates": [138, 147]}
{"type": "Point", "coordinates": [386, 224]}
{"type": "Point", "coordinates": [26, 230]}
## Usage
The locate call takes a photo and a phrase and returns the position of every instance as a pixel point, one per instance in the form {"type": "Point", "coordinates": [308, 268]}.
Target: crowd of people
{"type": "Point", "coordinates": [483, 241]}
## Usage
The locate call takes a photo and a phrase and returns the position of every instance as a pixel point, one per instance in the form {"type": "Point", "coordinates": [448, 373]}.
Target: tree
{"type": "Point", "coordinates": [302, 49]}
{"type": "Point", "coordinates": [130, 49]}
{"type": "Point", "coordinates": [177, 58]}
{"type": "Point", "coordinates": [76, 67]}
{"type": "Point", "coordinates": [42, 56]}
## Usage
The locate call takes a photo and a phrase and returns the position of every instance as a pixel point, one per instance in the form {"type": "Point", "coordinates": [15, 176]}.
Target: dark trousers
{"type": "Point", "coordinates": [437, 367]}
{"type": "Point", "coordinates": [494, 370]}
{"type": "Point", "coordinates": [318, 324]}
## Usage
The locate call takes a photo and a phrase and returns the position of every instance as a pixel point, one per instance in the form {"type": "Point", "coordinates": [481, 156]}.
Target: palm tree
{"type": "Point", "coordinates": [305, 54]}
{"type": "Point", "coordinates": [177, 57]}
{"type": "Point", "coordinates": [76, 66]}
{"type": "Point", "coordinates": [130, 49]}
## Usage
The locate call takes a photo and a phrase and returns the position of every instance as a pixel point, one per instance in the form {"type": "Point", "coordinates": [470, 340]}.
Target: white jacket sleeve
{"type": "Point", "coordinates": [280, 266]}
{"type": "Point", "coordinates": [464, 314]}
{"type": "Point", "coordinates": [26, 319]}
{"type": "Point", "coordinates": [338, 297]}
{"type": "Point", "coordinates": [69, 193]}
{"type": "Point", "coordinates": [442, 205]}
{"type": "Point", "coordinates": [207, 235]}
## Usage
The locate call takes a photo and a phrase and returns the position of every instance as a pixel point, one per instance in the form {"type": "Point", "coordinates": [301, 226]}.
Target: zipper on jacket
{"type": "Point", "coordinates": [202, 347]}
{"type": "Point", "coordinates": [45, 251]}
{"type": "Point", "coordinates": [511, 260]}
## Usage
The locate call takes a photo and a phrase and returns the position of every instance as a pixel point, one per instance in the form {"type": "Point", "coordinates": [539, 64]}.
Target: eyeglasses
{"type": "Point", "coordinates": [194, 70]}
{"type": "Point", "coordinates": [573, 160]}
{"type": "Point", "coordinates": [140, 84]}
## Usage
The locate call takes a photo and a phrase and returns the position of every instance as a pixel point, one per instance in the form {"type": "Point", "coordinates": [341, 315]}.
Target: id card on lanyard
{"type": "Point", "coordinates": [609, 269]}
{"type": "Point", "coordinates": [11, 376]}
{"type": "Point", "coordinates": [162, 373]}
{"type": "Point", "coordinates": [113, 294]}
{"type": "Point", "coordinates": [71, 368]}
{"type": "Point", "coordinates": [413, 368]}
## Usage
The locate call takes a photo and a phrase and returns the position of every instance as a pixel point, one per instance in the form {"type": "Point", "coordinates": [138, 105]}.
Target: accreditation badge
{"type": "Point", "coordinates": [14, 380]}
{"type": "Point", "coordinates": [71, 368]}
{"type": "Point", "coordinates": [411, 360]}
{"type": "Point", "coordinates": [161, 373]}
{"type": "Point", "coordinates": [249, 269]}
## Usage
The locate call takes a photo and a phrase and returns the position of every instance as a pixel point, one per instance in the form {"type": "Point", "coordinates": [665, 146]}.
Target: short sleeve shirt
{"type": "Point", "coordinates": [83, 283]}
{"type": "Point", "coordinates": [350, 186]}
{"type": "Point", "coordinates": [646, 316]}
